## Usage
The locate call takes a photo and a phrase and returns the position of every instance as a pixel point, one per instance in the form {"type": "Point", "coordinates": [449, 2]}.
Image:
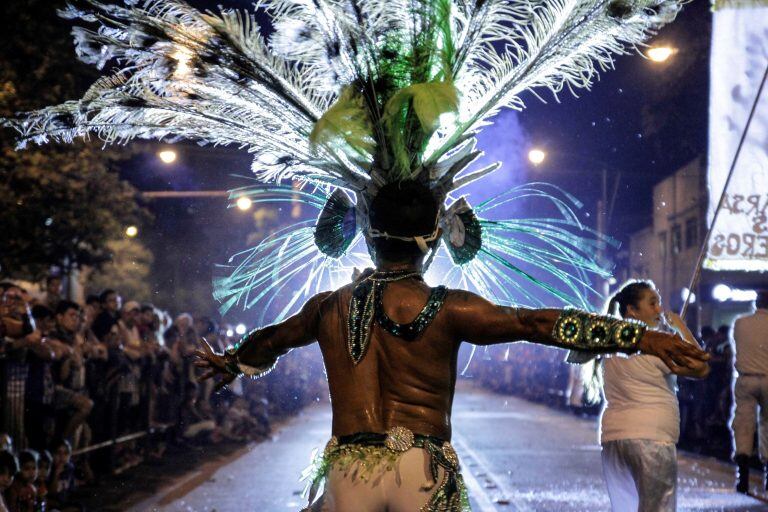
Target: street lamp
{"type": "Point", "coordinates": [167, 156]}
{"type": "Point", "coordinates": [536, 156]}
{"type": "Point", "coordinates": [131, 231]}
{"type": "Point", "coordinates": [244, 203]}
{"type": "Point", "coordinates": [660, 53]}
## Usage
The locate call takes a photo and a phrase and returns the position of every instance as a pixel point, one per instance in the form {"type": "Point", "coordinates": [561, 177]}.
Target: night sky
{"type": "Point", "coordinates": [643, 119]}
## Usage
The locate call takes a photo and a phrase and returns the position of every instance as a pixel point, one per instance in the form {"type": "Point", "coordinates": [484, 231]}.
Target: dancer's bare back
{"type": "Point", "coordinates": [410, 383]}
{"type": "Point", "coordinates": [407, 383]}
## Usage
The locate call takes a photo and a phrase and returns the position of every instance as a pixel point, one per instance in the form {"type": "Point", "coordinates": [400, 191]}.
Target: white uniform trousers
{"type": "Point", "coordinates": [750, 392]}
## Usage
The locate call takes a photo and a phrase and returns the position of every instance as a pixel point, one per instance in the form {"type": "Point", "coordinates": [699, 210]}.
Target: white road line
{"type": "Point", "coordinates": [463, 446]}
{"type": "Point", "coordinates": [476, 491]}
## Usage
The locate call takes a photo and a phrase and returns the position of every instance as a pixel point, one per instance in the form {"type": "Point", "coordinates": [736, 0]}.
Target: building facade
{"type": "Point", "coordinates": [667, 252]}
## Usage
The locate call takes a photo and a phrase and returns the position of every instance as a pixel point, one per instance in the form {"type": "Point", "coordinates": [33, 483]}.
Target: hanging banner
{"type": "Point", "coordinates": [739, 58]}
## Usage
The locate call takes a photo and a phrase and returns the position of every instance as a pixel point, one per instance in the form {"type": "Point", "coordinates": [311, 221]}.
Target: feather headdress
{"type": "Point", "coordinates": [345, 96]}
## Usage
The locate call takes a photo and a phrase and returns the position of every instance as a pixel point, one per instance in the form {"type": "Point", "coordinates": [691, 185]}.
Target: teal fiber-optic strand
{"type": "Point", "coordinates": [542, 256]}
{"type": "Point", "coordinates": [548, 245]}
{"type": "Point", "coordinates": [517, 270]}
{"type": "Point", "coordinates": [267, 272]}
{"type": "Point", "coordinates": [272, 193]}
{"type": "Point", "coordinates": [509, 247]}
{"type": "Point", "coordinates": [565, 255]}
{"type": "Point", "coordinates": [251, 272]}
{"type": "Point", "coordinates": [535, 190]}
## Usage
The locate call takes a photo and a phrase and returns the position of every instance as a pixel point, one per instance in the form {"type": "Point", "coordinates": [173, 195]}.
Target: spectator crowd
{"type": "Point", "coordinates": [96, 388]}
{"type": "Point", "coordinates": [99, 387]}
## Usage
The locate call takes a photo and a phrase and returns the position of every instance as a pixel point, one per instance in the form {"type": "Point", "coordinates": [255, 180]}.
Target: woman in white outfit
{"type": "Point", "coordinates": [640, 423]}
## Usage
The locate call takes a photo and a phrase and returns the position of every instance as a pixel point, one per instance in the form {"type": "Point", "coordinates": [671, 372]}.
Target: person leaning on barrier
{"type": "Point", "coordinates": [750, 390]}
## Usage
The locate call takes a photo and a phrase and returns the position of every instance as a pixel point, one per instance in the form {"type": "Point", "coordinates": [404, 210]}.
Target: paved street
{"type": "Point", "coordinates": [516, 456]}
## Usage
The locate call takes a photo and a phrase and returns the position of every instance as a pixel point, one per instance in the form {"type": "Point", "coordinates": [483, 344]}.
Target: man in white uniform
{"type": "Point", "coordinates": [750, 391]}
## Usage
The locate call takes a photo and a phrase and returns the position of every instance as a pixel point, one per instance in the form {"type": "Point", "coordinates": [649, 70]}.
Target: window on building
{"type": "Point", "coordinates": [676, 239]}
{"type": "Point", "coordinates": [663, 244]}
{"type": "Point", "coordinates": [691, 232]}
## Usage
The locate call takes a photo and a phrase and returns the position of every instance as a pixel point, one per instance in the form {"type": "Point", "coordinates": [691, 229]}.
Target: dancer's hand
{"type": "Point", "coordinates": [215, 364]}
{"type": "Point", "coordinates": [678, 355]}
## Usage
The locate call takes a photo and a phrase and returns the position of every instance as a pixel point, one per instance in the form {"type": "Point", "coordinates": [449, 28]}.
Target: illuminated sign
{"type": "Point", "coordinates": [737, 4]}
{"type": "Point", "coordinates": [739, 58]}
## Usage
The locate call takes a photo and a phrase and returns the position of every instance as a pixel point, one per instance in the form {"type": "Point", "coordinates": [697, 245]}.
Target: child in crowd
{"type": "Point", "coordinates": [21, 496]}
{"type": "Point", "coordinates": [9, 466]}
{"type": "Point", "coordinates": [62, 479]}
{"type": "Point", "coordinates": [43, 472]}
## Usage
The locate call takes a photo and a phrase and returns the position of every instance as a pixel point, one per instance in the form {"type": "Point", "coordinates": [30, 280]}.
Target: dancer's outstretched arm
{"type": "Point", "coordinates": [257, 352]}
{"type": "Point", "coordinates": [481, 322]}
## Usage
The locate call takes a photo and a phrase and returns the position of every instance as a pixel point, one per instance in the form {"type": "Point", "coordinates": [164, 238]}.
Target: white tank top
{"type": "Point", "coordinates": [640, 400]}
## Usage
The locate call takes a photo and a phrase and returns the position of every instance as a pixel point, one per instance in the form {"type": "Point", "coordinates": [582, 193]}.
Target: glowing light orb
{"type": "Point", "coordinates": [660, 53]}
{"type": "Point", "coordinates": [244, 203]}
{"type": "Point", "coordinates": [182, 56]}
{"type": "Point", "coordinates": [167, 156]}
{"type": "Point", "coordinates": [721, 292]}
{"type": "Point", "coordinates": [240, 329]}
{"type": "Point", "coordinates": [131, 231]}
{"type": "Point", "coordinates": [536, 156]}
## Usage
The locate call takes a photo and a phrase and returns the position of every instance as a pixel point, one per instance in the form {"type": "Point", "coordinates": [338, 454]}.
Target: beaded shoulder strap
{"type": "Point", "coordinates": [365, 306]}
{"type": "Point", "coordinates": [411, 330]}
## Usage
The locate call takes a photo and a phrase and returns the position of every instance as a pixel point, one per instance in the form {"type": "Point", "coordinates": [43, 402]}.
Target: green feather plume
{"type": "Point", "coordinates": [345, 125]}
{"type": "Point", "coordinates": [427, 102]}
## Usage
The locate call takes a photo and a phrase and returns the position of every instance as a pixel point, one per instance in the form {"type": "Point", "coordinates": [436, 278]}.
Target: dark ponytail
{"type": "Point", "coordinates": [629, 294]}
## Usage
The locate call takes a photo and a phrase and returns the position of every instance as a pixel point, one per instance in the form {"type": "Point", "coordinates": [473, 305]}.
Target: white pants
{"type": "Point", "coordinates": [750, 392]}
{"type": "Point", "coordinates": [641, 475]}
{"type": "Point", "coordinates": [407, 487]}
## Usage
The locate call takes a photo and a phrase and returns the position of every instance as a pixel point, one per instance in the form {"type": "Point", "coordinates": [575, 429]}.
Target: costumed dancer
{"type": "Point", "coordinates": [750, 389]}
{"type": "Point", "coordinates": [640, 422]}
{"type": "Point", "coordinates": [390, 345]}
{"type": "Point", "coordinates": [371, 108]}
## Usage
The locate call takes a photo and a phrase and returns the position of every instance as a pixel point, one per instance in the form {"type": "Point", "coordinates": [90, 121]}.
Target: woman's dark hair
{"type": "Point", "coordinates": [65, 305]}
{"type": "Point", "coordinates": [629, 294]}
{"type": "Point", "coordinates": [28, 456]}
{"type": "Point", "coordinates": [8, 463]}
{"type": "Point", "coordinates": [762, 299]}
{"type": "Point", "coordinates": [104, 295]}
{"type": "Point", "coordinates": [40, 312]}
{"type": "Point", "coordinates": [59, 442]}
{"type": "Point", "coordinates": [406, 208]}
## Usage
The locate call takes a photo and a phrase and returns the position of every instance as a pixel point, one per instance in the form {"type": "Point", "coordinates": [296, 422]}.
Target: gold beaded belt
{"type": "Point", "coordinates": [450, 494]}
{"type": "Point", "coordinates": [397, 439]}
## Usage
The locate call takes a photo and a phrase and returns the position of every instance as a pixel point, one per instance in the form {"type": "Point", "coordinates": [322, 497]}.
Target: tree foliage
{"type": "Point", "coordinates": [59, 205]}
{"type": "Point", "coordinates": [128, 270]}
